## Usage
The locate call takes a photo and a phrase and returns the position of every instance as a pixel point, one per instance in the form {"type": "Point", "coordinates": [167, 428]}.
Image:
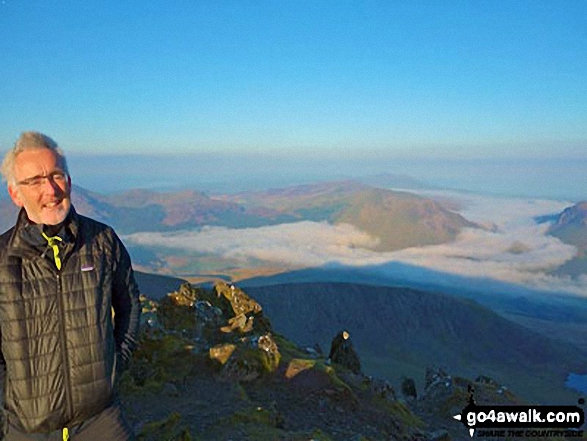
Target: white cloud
{"type": "Point", "coordinates": [301, 243]}
{"type": "Point", "coordinates": [516, 249]}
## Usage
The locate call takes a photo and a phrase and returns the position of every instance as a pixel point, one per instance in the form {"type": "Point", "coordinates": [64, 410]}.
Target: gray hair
{"type": "Point", "coordinates": [30, 141]}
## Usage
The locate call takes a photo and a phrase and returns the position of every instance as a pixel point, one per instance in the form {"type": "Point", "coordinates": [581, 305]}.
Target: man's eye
{"type": "Point", "coordinates": [58, 177]}
{"type": "Point", "coordinates": [34, 181]}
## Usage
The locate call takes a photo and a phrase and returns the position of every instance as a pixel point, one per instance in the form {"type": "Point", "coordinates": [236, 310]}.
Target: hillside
{"type": "Point", "coordinates": [570, 226]}
{"type": "Point", "coordinates": [210, 366]}
{"type": "Point", "coordinates": [398, 219]}
{"type": "Point", "coordinates": [146, 210]}
{"type": "Point", "coordinates": [400, 331]}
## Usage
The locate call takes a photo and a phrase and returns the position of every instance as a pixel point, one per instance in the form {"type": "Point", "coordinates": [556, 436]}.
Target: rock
{"type": "Point", "coordinates": [343, 353]}
{"type": "Point", "coordinates": [239, 301]}
{"type": "Point", "coordinates": [434, 375]}
{"type": "Point", "coordinates": [382, 388]}
{"type": "Point", "coordinates": [240, 323]}
{"type": "Point", "coordinates": [409, 388]}
{"type": "Point", "coordinates": [314, 351]}
{"type": "Point", "coordinates": [187, 295]}
{"type": "Point", "coordinates": [243, 313]}
{"type": "Point", "coordinates": [267, 345]}
{"type": "Point", "coordinates": [483, 379]}
{"type": "Point", "coordinates": [250, 359]}
{"type": "Point", "coordinates": [296, 366]}
{"type": "Point", "coordinates": [222, 352]}
{"type": "Point", "coordinates": [311, 352]}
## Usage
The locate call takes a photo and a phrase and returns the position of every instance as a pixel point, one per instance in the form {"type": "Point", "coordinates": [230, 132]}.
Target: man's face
{"type": "Point", "coordinates": [41, 187]}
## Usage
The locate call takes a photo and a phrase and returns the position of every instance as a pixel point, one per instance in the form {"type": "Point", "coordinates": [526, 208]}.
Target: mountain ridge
{"type": "Point", "coordinates": [420, 328]}
{"type": "Point", "coordinates": [398, 219]}
{"type": "Point", "coordinates": [570, 226]}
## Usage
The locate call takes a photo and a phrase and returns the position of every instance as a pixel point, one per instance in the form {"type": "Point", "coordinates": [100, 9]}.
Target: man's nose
{"type": "Point", "coordinates": [50, 186]}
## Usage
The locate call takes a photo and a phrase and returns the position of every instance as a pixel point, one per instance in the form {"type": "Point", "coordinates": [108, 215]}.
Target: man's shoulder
{"type": "Point", "coordinates": [5, 240]}
{"type": "Point", "coordinates": [90, 225]}
{"type": "Point", "coordinates": [92, 228]}
{"type": "Point", "coordinates": [88, 222]}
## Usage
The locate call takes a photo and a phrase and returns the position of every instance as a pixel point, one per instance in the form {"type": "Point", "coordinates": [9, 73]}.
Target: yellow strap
{"type": "Point", "coordinates": [65, 434]}
{"type": "Point", "coordinates": [53, 244]}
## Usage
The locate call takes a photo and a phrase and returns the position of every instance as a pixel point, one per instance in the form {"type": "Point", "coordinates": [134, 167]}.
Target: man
{"type": "Point", "coordinates": [69, 308]}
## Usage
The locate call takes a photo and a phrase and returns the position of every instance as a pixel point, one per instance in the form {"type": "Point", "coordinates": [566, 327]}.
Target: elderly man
{"type": "Point", "coordinates": [69, 308]}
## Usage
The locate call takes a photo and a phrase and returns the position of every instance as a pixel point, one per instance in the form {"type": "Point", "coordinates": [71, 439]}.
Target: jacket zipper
{"type": "Point", "coordinates": [63, 339]}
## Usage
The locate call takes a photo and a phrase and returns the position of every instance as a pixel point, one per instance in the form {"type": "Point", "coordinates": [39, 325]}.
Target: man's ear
{"type": "Point", "coordinates": [15, 196]}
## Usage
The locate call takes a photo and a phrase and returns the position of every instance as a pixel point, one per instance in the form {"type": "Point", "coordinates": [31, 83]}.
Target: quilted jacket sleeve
{"type": "Point", "coordinates": [2, 368]}
{"type": "Point", "coordinates": [126, 304]}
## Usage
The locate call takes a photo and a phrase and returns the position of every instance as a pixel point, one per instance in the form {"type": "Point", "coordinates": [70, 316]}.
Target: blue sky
{"type": "Point", "coordinates": [408, 78]}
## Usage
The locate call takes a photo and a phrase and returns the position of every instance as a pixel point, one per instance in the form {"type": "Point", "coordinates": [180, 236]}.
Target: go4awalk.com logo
{"type": "Point", "coordinates": [522, 421]}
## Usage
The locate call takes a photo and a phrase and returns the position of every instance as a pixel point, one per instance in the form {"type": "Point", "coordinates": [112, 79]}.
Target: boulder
{"type": "Point", "coordinates": [244, 314]}
{"type": "Point", "coordinates": [238, 300]}
{"type": "Point", "coordinates": [343, 353]}
{"type": "Point", "coordinates": [409, 388]}
{"type": "Point", "coordinates": [252, 359]}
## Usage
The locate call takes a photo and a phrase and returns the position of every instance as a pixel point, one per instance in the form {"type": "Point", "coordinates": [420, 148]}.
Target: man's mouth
{"type": "Point", "coordinates": [52, 204]}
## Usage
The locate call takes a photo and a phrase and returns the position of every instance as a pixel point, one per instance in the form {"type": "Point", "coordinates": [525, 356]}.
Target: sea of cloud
{"type": "Point", "coordinates": [512, 247]}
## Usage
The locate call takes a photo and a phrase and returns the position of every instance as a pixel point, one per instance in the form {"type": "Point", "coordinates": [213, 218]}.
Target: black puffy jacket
{"type": "Point", "coordinates": [64, 331]}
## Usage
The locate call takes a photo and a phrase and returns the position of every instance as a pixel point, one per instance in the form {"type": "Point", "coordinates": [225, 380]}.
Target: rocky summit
{"type": "Point", "coordinates": [209, 366]}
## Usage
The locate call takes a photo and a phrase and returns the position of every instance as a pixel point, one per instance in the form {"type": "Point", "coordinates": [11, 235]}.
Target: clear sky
{"type": "Point", "coordinates": [411, 78]}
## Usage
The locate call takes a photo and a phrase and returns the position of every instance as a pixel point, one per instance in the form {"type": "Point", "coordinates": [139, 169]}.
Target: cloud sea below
{"type": "Point", "coordinates": [512, 246]}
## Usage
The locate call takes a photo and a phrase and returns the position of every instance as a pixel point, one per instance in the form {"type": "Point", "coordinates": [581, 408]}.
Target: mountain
{"type": "Point", "coordinates": [146, 210]}
{"type": "Point", "coordinates": [398, 219]}
{"type": "Point", "coordinates": [209, 364]}
{"type": "Point", "coordinates": [395, 220]}
{"type": "Point", "coordinates": [400, 331]}
{"type": "Point", "coordinates": [559, 316]}
{"type": "Point", "coordinates": [570, 226]}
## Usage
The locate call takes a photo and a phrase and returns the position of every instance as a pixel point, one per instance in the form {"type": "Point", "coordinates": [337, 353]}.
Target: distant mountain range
{"type": "Point", "coordinates": [398, 219]}
{"type": "Point", "coordinates": [570, 226]}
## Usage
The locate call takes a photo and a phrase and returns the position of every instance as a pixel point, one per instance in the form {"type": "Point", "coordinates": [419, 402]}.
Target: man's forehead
{"type": "Point", "coordinates": [36, 161]}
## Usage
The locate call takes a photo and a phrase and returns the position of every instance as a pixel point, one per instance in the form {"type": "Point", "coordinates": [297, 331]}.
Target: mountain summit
{"type": "Point", "coordinates": [397, 219]}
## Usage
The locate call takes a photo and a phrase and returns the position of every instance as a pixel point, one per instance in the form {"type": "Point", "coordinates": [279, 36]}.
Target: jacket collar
{"type": "Point", "coordinates": [27, 241]}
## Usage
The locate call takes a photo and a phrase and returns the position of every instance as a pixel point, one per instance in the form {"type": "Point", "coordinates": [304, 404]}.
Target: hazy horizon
{"type": "Point", "coordinates": [559, 179]}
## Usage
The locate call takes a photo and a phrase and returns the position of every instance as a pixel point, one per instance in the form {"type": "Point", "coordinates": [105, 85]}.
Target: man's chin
{"type": "Point", "coordinates": [53, 216]}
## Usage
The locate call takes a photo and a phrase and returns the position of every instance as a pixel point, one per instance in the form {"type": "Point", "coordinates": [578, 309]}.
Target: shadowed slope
{"type": "Point", "coordinates": [401, 331]}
